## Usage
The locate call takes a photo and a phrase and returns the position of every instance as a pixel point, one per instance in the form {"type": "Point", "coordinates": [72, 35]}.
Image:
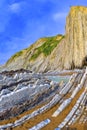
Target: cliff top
{"type": "Point", "coordinates": [76, 9]}
{"type": "Point", "coordinates": [43, 45]}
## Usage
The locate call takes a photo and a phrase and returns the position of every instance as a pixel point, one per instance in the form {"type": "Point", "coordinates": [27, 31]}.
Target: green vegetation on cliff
{"type": "Point", "coordinates": [15, 56]}
{"type": "Point", "coordinates": [47, 47]}
{"type": "Point", "coordinates": [43, 45]}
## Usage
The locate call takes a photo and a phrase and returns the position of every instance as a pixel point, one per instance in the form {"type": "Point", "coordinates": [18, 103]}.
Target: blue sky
{"type": "Point", "coordinates": [22, 22]}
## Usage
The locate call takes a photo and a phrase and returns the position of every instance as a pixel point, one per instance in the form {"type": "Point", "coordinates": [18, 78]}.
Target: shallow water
{"type": "Point", "coordinates": [59, 78]}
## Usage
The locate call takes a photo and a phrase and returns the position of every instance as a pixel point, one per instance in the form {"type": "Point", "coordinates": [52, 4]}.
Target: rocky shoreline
{"type": "Point", "coordinates": [21, 90]}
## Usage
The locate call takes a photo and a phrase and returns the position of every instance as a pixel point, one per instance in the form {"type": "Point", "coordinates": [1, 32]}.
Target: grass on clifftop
{"type": "Point", "coordinates": [47, 47]}
{"type": "Point", "coordinates": [15, 56]}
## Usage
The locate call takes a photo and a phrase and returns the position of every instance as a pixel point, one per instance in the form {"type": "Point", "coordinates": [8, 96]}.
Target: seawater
{"type": "Point", "coordinates": [59, 78]}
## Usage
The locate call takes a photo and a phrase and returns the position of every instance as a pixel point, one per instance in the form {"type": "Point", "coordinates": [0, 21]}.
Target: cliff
{"type": "Point", "coordinates": [40, 56]}
{"type": "Point", "coordinates": [76, 38]}
{"type": "Point", "coordinates": [58, 52]}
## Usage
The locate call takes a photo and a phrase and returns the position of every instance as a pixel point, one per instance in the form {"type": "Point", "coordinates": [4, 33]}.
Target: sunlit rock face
{"type": "Point", "coordinates": [76, 38]}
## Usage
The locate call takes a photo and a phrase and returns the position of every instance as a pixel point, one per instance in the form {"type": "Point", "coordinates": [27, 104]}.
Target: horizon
{"type": "Point", "coordinates": [22, 22]}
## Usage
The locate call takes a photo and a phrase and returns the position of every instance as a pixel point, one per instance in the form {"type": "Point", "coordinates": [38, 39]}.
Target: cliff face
{"type": "Point", "coordinates": [76, 37]}
{"type": "Point", "coordinates": [43, 55]}
{"type": "Point", "coordinates": [59, 52]}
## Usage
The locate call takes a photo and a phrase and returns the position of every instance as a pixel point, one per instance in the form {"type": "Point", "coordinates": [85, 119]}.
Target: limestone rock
{"type": "Point", "coordinates": [76, 38]}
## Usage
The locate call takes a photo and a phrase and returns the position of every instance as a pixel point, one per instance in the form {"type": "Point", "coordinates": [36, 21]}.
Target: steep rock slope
{"type": "Point", "coordinates": [40, 56]}
{"type": "Point", "coordinates": [58, 52]}
{"type": "Point", "coordinates": [76, 38]}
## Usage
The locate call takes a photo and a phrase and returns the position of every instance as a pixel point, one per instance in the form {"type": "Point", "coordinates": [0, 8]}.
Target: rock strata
{"type": "Point", "coordinates": [22, 90]}
{"type": "Point", "coordinates": [76, 38]}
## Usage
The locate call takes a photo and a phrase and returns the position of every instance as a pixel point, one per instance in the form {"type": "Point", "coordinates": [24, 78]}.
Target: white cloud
{"type": "Point", "coordinates": [59, 15]}
{"type": "Point", "coordinates": [15, 7]}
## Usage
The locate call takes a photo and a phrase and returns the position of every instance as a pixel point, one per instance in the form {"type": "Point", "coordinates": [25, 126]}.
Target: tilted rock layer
{"type": "Point", "coordinates": [76, 37]}
{"type": "Point", "coordinates": [58, 52]}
